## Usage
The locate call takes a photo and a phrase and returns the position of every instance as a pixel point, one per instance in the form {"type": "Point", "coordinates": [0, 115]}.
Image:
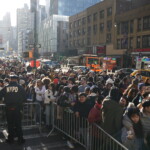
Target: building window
{"type": "Point", "coordinates": [108, 38]}
{"type": "Point", "coordinates": [70, 34]}
{"type": "Point", "coordinates": [139, 24]}
{"type": "Point", "coordinates": [83, 21]}
{"type": "Point", "coordinates": [75, 24]}
{"type": "Point", "coordinates": [109, 25]}
{"type": "Point", "coordinates": [95, 17]}
{"type": "Point", "coordinates": [109, 11]}
{"type": "Point", "coordinates": [70, 44]}
{"type": "Point", "coordinates": [83, 31]}
{"type": "Point", "coordinates": [131, 43]}
{"type": "Point", "coordinates": [78, 42]}
{"type": "Point", "coordinates": [95, 29]}
{"type": "Point", "coordinates": [88, 41]}
{"type": "Point", "coordinates": [79, 22]}
{"type": "Point", "coordinates": [146, 41]}
{"type": "Point", "coordinates": [124, 43]}
{"type": "Point", "coordinates": [89, 18]}
{"type": "Point", "coordinates": [70, 25]}
{"type": "Point", "coordinates": [118, 29]}
{"type": "Point", "coordinates": [118, 44]}
{"type": "Point", "coordinates": [101, 27]}
{"type": "Point", "coordinates": [89, 30]}
{"type": "Point", "coordinates": [102, 14]}
{"type": "Point", "coordinates": [75, 43]}
{"type": "Point", "coordinates": [138, 42]}
{"type": "Point", "coordinates": [79, 32]}
{"type": "Point", "coordinates": [131, 26]}
{"type": "Point", "coordinates": [83, 42]}
{"type": "Point", "coordinates": [124, 28]}
{"type": "Point", "coordinates": [146, 23]}
{"type": "Point", "coordinates": [75, 34]}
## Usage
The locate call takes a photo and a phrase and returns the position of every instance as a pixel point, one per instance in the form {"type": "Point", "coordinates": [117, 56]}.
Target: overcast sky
{"type": "Point", "coordinates": [11, 6]}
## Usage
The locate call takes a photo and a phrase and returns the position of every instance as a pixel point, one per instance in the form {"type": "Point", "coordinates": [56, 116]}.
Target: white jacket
{"type": "Point", "coordinates": [40, 93]}
{"type": "Point", "coordinates": [49, 97]}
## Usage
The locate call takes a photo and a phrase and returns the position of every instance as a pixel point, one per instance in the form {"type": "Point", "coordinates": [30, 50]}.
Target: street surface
{"type": "Point", "coordinates": [37, 141]}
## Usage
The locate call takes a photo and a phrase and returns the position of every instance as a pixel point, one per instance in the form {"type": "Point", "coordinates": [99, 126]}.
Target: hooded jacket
{"type": "Point", "coordinates": [112, 114]}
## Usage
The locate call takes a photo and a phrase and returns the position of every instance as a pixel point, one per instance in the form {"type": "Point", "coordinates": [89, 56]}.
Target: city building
{"type": "Point", "coordinates": [92, 30]}
{"type": "Point", "coordinates": [57, 12]}
{"type": "Point", "coordinates": [53, 35]}
{"type": "Point", "coordinates": [25, 25]}
{"type": "Point", "coordinates": [7, 35]}
{"type": "Point", "coordinates": [95, 30]}
{"type": "Point", "coordinates": [5, 26]}
{"type": "Point", "coordinates": [133, 29]}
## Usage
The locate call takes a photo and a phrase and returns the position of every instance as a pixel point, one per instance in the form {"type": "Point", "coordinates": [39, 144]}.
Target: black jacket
{"type": "Point", "coordinates": [14, 95]}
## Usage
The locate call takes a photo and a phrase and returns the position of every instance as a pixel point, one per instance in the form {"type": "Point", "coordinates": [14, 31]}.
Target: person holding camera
{"type": "Point", "coordinates": [49, 98]}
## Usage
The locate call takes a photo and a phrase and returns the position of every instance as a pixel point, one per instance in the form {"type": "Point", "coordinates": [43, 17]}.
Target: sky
{"type": "Point", "coordinates": [11, 6]}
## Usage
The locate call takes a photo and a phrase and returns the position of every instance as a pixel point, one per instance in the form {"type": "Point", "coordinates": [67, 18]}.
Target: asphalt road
{"type": "Point", "coordinates": [37, 141]}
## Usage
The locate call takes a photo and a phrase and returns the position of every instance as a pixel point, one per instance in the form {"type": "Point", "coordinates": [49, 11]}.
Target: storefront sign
{"type": "Point", "coordinates": [101, 50]}
{"type": "Point", "coordinates": [142, 50]}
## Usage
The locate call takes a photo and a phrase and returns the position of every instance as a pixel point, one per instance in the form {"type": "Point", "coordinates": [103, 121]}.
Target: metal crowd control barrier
{"type": "Point", "coordinates": [101, 140]}
{"type": "Point", "coordinates": [30, 112]}
{"type": "Point", "coordinates": [92, 137]}
{"type": "Point", "coordinates": [2, 117]}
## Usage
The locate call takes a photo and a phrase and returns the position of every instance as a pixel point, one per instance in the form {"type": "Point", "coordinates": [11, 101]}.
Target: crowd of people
{"type": "Point", "coordinates": [120, 104]}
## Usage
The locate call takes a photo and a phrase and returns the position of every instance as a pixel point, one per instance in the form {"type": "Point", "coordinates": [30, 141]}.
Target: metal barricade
{"type": "Point", "coordinates": [30, 112]}
{"type": "Point", "coordinates": [101, 140]}
{"type": "Point", "coordinates": [92, 137]}
{"type": "Point", "coordinates": [2, 117]}
{"type": "Point", "coordinates": [31, 115]}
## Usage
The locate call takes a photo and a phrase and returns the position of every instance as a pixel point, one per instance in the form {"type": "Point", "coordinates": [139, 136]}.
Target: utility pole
{"type": "Point", "coordinates": [34, 10]}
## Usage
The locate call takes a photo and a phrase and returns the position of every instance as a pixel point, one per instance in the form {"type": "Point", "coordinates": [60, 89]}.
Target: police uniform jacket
{"type": "Point", "coordinates": [14, 95]}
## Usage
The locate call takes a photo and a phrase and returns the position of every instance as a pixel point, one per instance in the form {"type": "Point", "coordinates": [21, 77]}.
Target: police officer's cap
{"type": "Point", "coordinates": [13, 76]}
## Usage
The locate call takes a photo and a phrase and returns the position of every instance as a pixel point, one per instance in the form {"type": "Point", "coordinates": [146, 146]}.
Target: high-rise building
{"type": "Point", "coordinates": [56, 23]}
{"type": "Point", "coordinates": [5, 28]}
{"type": "Point", "coordinates": [25, 25]}
{"type": "Point", "coordinates": [70, 7]}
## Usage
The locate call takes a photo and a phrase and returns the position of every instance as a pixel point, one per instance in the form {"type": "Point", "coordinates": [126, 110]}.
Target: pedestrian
{"type": "Point", "coordinates": [132, 132]}
{"type": "Point", "coordinates": [40, 91]}
{"type": "Point", "coordinates": [14, 95]}
{"type": "Point", "coordinates": [112, 113]}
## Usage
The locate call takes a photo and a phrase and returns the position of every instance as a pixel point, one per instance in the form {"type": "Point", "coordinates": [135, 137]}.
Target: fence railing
{"type": "Point", "coordinates": [31, 116]}
{"type": "Point", "coordinates": [90, 136]}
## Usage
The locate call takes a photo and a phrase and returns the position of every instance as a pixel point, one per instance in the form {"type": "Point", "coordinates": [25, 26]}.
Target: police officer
{"type": "Point", "coordinates": [14, 96]}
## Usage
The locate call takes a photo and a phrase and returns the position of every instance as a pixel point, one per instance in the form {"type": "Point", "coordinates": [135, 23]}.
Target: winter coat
{"type": "Point", "coordinates": [134, 143]}
{"type": "Point", "coordinates": [95, 114]}
{"type": "Point", "coordinates": [40, 93]}
{"type": "Point", "coordinates": [49, 97]}
{"type": "Point", "coordinates": [112, 114]}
